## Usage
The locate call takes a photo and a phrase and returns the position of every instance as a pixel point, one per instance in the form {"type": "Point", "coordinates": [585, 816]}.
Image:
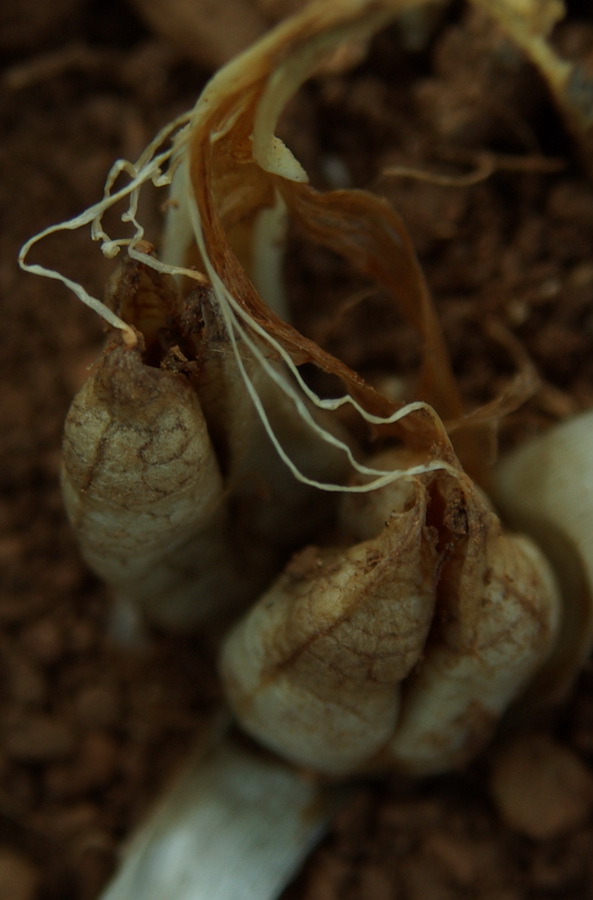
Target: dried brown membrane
{"type": "Point", "coordinates": [198, 458]}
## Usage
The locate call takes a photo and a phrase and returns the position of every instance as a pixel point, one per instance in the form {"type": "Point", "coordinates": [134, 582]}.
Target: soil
{"type": "Point", "coordinates": [90, 730]}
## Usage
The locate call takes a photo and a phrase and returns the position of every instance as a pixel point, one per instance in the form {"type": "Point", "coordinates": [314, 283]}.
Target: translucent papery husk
{"type": "Point", "coordinates": [234, 170]}
{"type": "Point", "coordinates": [237, 181]}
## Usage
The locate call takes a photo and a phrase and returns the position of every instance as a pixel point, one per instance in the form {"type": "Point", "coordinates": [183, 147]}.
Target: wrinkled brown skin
{"type": "Point", "coordinates": [230, 186]}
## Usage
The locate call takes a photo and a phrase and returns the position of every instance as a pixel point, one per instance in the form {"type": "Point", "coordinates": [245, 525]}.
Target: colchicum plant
{"type": "Point", "coordinates": [377, 613]}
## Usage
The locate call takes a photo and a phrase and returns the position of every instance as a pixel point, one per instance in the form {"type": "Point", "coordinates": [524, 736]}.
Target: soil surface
{"type": "Point", "coordinates": [90, 731]}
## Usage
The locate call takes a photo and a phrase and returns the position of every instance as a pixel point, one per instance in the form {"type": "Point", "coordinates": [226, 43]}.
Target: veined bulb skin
{"type": "Point", "coordinates": [177, 542]}
{"type": "Point", "coordinates": [403, 649]}
{"type": "Point", "coordinates": [178, 497]}
{"type": "Point", "coordinates": [143, 490]}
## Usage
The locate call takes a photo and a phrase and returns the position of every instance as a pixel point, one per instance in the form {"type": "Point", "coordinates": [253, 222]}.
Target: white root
{"type": "Point", "coordinates": [235, 826]}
